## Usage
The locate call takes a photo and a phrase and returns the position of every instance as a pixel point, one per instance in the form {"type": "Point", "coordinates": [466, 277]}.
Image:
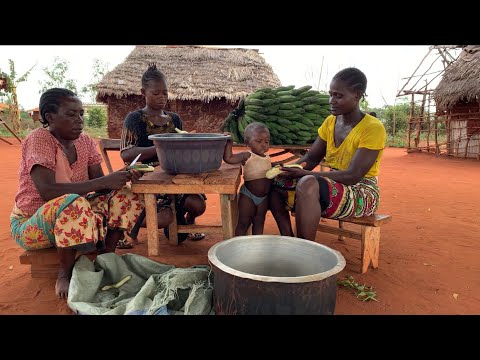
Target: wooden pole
{"type": "Point", "coordinates": [428, 120]}
{"type": "Point", "coordinates": [421, 62]}
{"type": "Point", "coordinates": [394, 115]}
{"type": "Point", "coordinates": [419, 121]}
{"type": "Point", "coordinates": [14, 112]}
{"type": "Point", "coordinates": [412, 105]}
{"type": "Point", "coordinates": [437, 149]}
{"type": "Point", "coordinates": [2, 122]}
{"type": "Point", "coordinates": [448, 119]}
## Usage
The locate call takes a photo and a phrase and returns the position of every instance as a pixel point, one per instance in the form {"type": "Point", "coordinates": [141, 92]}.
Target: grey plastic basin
{"type": "Point", "coordinates": [189, 153]}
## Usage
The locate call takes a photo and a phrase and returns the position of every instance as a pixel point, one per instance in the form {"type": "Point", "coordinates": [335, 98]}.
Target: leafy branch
{"type": "Point", "coordinates": [363, 292]}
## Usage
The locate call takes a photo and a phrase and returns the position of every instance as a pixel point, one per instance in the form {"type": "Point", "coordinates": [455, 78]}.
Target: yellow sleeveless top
{"type": "Point", "coordinates": [369, 133]}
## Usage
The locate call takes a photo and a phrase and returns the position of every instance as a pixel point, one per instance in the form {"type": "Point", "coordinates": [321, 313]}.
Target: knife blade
{"type": "Point", "coordinates": [135, 160]}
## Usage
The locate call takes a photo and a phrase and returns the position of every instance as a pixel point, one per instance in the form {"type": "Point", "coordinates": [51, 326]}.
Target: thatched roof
{"type": "Point", "coordinates": [193, 73]}
{"type": "Point", "coordinates": [461, 80]}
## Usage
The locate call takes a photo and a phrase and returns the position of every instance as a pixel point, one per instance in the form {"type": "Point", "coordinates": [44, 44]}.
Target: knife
{"type": "Point", "coordinates": [135, 160]}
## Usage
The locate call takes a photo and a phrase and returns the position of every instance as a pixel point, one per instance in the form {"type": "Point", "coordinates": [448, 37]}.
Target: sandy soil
{"type": "Point", "coordinates": [429, 253]}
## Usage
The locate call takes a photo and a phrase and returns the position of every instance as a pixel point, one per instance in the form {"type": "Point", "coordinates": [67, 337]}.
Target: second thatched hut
{"type": "Point", "coordinates": [204, 83]}
{"type": "Point", "coordinates": [457, 99]}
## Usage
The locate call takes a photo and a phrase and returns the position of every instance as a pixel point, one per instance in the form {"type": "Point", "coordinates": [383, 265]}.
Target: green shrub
{"type": "Point", "coordinates": [96, 118]}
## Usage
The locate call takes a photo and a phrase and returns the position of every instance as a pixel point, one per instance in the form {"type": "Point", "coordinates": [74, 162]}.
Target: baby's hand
{"type": "Point", "coordinates": [228, 134]}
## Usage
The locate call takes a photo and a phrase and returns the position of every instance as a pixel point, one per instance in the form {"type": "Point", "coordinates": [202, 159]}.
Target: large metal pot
{"type": "Point", "coordinates": [270, 274]}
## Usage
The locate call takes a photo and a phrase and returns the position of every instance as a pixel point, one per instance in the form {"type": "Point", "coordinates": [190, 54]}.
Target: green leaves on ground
{"type": "Point", "coordinates": [363, 292]}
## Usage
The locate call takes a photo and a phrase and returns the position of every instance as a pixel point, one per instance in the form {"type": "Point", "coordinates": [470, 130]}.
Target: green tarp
{"type": "Point", "coordinates": [146, 287]}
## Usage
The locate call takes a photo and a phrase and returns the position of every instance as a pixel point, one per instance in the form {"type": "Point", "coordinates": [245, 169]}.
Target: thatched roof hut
{"type": "Point", "coordinates": [204, 83]}
{"type": "Point", "coordinates": [457, 99]}
{"type": "Point", "coordinates": [461, 81]}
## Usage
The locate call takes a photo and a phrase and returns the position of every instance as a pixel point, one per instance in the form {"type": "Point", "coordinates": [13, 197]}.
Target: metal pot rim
{"type": "Point", "coordinates": [213, 259]}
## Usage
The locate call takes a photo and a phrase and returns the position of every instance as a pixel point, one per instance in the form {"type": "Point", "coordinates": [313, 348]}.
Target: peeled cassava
{"type": "Point", "coordinates": [142, 168]}
{"type": "Point", "coordinates": [274, 171]}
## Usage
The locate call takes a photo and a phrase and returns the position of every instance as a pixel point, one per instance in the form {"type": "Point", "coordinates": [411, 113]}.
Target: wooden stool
{"type": "Point", "coordinates": [44, 263]}
{"type": "Point", "coordinates": [369, 235]}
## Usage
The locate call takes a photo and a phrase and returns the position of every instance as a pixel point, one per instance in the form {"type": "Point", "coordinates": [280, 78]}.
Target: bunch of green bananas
{"type": "Point", "coordinates": [293, 116]}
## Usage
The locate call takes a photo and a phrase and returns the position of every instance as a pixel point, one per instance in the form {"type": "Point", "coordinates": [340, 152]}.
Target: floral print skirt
{"type": "Point", "coordinates": [76, 222]}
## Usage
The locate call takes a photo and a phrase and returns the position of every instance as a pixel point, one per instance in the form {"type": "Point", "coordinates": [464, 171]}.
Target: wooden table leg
{"type": "Point", "coordinates": [340, 226]}
{"type": "Point", "coordinates": [173, 227]}
{"type": "Point", "coordinates": [152, 224]}
{"type": "Point", "coordinates": [229, 210]}
{"type": "Point", "coordinates": [234, 199]}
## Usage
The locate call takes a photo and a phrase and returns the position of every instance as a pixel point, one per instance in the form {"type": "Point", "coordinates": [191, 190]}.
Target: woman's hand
{"type": "Point", "coordinates": [135, 174]}
{"type": "Point", "coordinates": [118, 179]}
{"type": "Point", "coordinates": [294, 172]}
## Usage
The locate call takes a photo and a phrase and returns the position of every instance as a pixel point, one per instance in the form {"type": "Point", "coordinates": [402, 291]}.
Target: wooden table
{"type": "Point", "coordinates": [224, 181]}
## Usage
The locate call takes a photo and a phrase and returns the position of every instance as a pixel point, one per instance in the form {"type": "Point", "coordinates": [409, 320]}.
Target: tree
{"type": "Point", "coordinates": [57, 76]}
{"type": "Point", "coordinates": [364, 105]}
{"type": "Point", "coordinates": [96, 117]}
{"type": "Point", "coordinates": [315, 78]}
{"type": "Point", "coordinates": [99, 69]}
{"type": "Point", "coordinates": [402, 113]}
{"type": "Point", "coordinates": [9, 92]}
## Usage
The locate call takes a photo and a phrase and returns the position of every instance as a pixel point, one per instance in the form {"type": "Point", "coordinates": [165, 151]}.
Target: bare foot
{"type": "Point", "coordinates": [131, 240]}
{"type": "Point", "coordinates": [61, 287]}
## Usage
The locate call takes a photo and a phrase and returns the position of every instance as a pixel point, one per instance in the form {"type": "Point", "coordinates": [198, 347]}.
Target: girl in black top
{"type": "Point", "coordinates": [153, 119]}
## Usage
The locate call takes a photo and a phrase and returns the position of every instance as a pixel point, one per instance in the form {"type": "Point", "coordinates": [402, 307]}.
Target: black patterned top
{"type": "Point", "coordinates": [137, 127]}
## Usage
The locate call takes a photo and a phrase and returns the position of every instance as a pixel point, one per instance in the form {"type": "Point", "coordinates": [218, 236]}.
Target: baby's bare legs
{"type": "Point", "coordinates": [259, 218]}
{"type": "Point", "coordinates": [246, 212]}
{"type": "Point", "coordinates": [277, 201]}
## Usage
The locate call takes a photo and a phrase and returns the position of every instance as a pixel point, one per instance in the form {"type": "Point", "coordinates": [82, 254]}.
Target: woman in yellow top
{"type": "Point", "coordinates": [351, 143]}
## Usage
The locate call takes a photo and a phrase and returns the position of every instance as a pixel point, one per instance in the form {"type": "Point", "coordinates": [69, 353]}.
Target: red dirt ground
{"type": "Point", "coordinates": [429, 258]}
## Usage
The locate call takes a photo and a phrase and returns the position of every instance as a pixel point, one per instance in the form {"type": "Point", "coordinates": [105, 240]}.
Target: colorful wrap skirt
{"type": "Point", "coordinates": [76, 222]}
{"type": "Point", "coordinates": [361, 199]}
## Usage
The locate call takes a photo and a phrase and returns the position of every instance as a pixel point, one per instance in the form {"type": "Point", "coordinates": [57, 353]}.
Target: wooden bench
{"type": "Point", "coordinates": [108, 145]}
{"type": "Point", "coordinates": [369, 235]}
{"type": "Point", "coordinates": [44, 263]}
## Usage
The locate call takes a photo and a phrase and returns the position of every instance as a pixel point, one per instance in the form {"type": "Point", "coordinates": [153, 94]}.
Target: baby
{"type": "Point", "coordinates": [253, 197]}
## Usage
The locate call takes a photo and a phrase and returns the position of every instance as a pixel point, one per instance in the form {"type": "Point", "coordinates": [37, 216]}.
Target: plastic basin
{"type": "Point", "coordinates": [189, 153]}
